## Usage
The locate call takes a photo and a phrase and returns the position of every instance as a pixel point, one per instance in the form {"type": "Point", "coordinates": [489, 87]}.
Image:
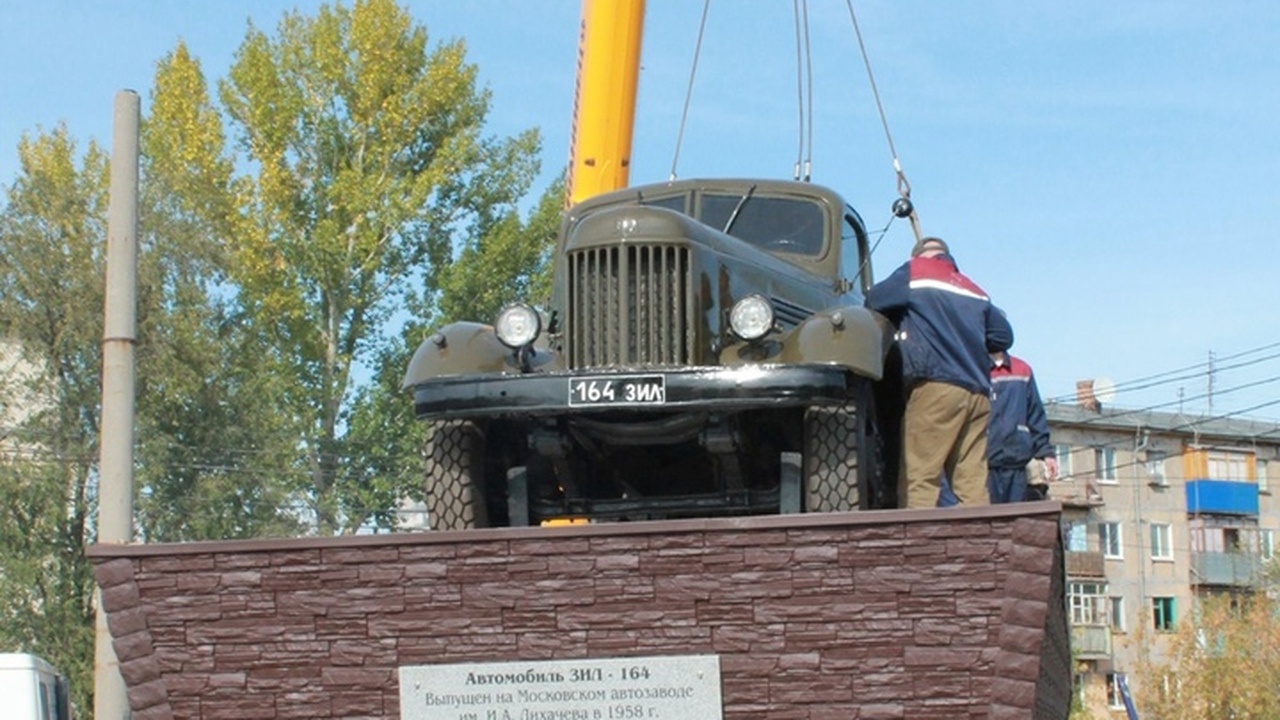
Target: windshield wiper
{"type": "Point", "coordinates": [733, 216]}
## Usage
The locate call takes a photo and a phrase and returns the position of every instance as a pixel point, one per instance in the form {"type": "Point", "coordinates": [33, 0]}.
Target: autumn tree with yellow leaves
{"type": "Point", "coordinates": [369, 170]}
{"type": "Point", "coordinates": [304, 221]}
{"type": "Point", "coordinates": [1222, 661]}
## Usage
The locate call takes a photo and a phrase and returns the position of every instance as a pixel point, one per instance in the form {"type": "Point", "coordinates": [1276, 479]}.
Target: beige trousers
{"type": "Point", "coordinates": [944, 429]}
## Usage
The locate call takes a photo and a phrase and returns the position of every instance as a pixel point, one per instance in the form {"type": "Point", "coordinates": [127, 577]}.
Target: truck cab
{"type": "Point", "coordinates": [32, 689]}
{"type": "Point", "coordinates": [705, 352]}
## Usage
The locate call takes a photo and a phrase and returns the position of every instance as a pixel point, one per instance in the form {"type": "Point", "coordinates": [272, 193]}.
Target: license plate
{"type": "Point", "coordinates": [618, 390]}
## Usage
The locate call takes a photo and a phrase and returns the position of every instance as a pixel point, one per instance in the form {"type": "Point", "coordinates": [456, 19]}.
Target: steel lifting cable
{"type": "Point", "coordinates": [688, 93]}
{"type": "Point", "coordinates": [804, 91]}
{"type": "Point", "coordinates": [795, 14]}
{"type": "Point", "coordinates": [795, 173]}
{"type": "Point", "coordinates": [808, 61]}
{"type": "Point", "coordinates": [902, 207]}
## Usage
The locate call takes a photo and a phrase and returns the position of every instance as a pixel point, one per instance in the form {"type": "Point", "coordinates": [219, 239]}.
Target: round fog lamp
{"type": "Point", "coordinates": [517, 325]}
{"type": "Point", "coordinates": [751, 317]}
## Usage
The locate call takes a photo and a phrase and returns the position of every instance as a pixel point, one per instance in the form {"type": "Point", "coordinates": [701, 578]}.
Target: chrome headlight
{"type": "Point", "coordinates": [751, 317]}
{"type": "Point", "coordinates": [517, 325]}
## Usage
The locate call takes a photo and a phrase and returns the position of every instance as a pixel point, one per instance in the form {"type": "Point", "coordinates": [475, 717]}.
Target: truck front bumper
{"type": "Point", "coordinates": [701, 388]}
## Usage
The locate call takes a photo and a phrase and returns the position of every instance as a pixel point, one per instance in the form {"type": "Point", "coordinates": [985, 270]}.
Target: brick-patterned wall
{"type": "Point", "coordinates": [921, 614]}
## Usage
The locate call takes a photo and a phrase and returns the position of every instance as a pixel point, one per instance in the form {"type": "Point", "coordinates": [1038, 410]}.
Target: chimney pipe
{"type": "Point", "coordinates": [1085, 397]}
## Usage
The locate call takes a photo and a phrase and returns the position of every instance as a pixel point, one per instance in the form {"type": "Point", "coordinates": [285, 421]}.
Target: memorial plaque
{"type": "Point", "coordinates": [668, 687]}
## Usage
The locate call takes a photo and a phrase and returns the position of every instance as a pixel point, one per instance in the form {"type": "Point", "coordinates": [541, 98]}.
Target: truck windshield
{"type": "Point", "coordinates": [775, 224]}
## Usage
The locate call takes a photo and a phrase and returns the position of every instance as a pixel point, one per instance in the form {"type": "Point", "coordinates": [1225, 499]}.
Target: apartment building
{"type": "Point", "coordinates": [20, 400]}
{"type": "Point", "coordinates": [1159, 509]}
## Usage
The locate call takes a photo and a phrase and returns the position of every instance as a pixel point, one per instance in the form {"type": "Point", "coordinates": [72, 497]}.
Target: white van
{"type": "Point", "coordinates": [32, 689]}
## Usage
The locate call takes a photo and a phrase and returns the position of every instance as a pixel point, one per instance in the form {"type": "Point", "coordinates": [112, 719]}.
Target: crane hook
{"type": "Point", "coordinates": [903, 207]}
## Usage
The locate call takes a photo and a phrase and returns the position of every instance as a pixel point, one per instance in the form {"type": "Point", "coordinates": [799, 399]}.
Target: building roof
{"type": "Point", "coordinates": [1197, 425]}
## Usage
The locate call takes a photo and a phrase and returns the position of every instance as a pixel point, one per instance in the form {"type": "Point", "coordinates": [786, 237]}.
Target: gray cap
{"type": "Point", "coordinates": [929, 243]}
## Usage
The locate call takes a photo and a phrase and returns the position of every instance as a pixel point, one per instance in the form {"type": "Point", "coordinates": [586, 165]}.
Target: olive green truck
{"type": "Point", "coordinates": [705, 352]}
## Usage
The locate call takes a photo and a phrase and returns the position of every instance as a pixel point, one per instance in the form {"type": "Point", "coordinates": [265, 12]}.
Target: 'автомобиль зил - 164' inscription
{"type": "Point", "coordinates": [675, 687]}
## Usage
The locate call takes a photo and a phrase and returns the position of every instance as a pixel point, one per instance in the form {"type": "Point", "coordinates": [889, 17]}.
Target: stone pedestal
{"type": "Point", "coordinates": [955, 613]}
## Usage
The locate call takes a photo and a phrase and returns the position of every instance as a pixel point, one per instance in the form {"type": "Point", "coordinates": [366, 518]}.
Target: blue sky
{"type": "Point", "coordinates": [1108, 172]}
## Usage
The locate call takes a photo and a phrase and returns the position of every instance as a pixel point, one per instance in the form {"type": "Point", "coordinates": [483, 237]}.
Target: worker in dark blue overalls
{"type": "Point", "coordinates": [1017, 436]}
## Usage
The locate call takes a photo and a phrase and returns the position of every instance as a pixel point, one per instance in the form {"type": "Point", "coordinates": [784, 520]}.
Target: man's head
{"type": "Point", "coordinates": [930, 246]}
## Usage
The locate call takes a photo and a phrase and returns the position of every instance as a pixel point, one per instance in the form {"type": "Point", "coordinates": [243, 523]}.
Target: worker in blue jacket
{"type": "Point", "coordinates": [1018, 433]}
{"type": "Point", "coordinates": [1017, 437]}
{"type": "Point", "coordinates": [947, 327]}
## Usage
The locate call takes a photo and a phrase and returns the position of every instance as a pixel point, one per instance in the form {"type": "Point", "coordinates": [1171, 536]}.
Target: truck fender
{"type": "Point", "coordinates": [848, 335]}
{"type": "Point", "coordinates": [465, 348]}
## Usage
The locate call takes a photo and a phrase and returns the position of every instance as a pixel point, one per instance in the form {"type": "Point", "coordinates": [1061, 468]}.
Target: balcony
{"type": "Point", "coordinates": [1086, 564]}
{"type": "Point", "coordinates": [1091, 642]}
{"type": "Point", "coordinates": [1225, 569]}
{"type": "Point", "coordinates": [1079, 493]}
{"type": "Point", "coordinates": [1222, 497]}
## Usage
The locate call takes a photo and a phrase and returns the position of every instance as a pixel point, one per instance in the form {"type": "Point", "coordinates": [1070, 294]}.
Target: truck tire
{"type": "Point", "coordinates": [455, 476]}
{"type": "Point", "coordinates": [833, 438]}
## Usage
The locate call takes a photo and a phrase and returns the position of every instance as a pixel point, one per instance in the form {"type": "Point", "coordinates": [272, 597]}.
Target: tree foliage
{"type": "Point", "coordinates": [299, 231]}
{"type": "Point", "coordinates": [214, 457]}
{"type": "Point", "coordinates": [51, 248]}
{"type": "Point", "coordinates": [510, 263]}
{"type": "Point", "coordinates": [369, 159]}
{"type": "Point", "coordinates": [1222, 662]}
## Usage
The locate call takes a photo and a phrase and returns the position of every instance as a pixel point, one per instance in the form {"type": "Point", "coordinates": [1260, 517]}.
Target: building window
{"type": "Point", "coordinates": [1109, 540]}
{"type": "Point", "coordinates": [1104, 462]}
{"type": "Point", "coordinates": [1088, 602]}
{"type": "Point", "coordinates": [1225, 465]}
{"type": "Point", "coordinates": [1260, 467]}
{"type": "Point", "coordinates": [1063, 454]}
{"type": "Point", "coordinates": [1267, 544]}
{"type": "Point", "coordinates": [1155, 467]}
{"type": "Point", "coordinates": [1231, 539]}
{"type": "Point", "coordinates": [1162, 613]}
{"type": "Point", "coordinates": [1115, 698]}
{"type": "Point", "coordinates": [1161, 541]}
{"type": "Point", "coordinates": [1117, 613]}
{"type": "Point", "coordinates": [1077, 537]}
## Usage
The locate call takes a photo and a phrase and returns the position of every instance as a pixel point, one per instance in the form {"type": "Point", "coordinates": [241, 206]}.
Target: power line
{"type": "Point", "coordinates": [1113, 415]}
{"type": "Point", "coordinates": [1211, 369]}
{"type": "Point", "coordinates": [1189, 372]}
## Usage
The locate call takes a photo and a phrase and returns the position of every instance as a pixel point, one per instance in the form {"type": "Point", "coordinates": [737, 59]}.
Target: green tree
{"type": "Point", "coordinates": [369, 161]}
{"type": "Point", "coordinates": [51, 282]}
{"type": "Point", "coordinates": [510, 263]}
{"type": "Point", "coordinates": [215, 453]}
{"type": "Point", "coordinates": [373, 207]}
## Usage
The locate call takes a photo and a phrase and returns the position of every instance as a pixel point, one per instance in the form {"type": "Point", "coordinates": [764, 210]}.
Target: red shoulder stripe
{"type": "Point", "coordinates": [940, 273]}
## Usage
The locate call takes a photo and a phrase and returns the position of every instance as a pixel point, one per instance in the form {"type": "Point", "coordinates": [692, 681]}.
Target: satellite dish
{"type": "Point", "coordinates": [1104, 389]}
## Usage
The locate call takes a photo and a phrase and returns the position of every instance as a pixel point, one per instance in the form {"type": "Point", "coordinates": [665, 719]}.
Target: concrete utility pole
{"type": "Point", "coordinates": [115, 465]}
{"type": "Point", "coordinates": [1210, 393]}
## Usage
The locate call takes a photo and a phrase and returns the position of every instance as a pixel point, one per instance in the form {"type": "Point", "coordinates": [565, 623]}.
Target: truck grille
{"type": "Point", "coordinates": [630, 305]}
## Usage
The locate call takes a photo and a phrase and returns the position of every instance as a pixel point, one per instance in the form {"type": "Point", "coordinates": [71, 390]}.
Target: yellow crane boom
{"type": "Point", "coordinates": [604, 100]}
